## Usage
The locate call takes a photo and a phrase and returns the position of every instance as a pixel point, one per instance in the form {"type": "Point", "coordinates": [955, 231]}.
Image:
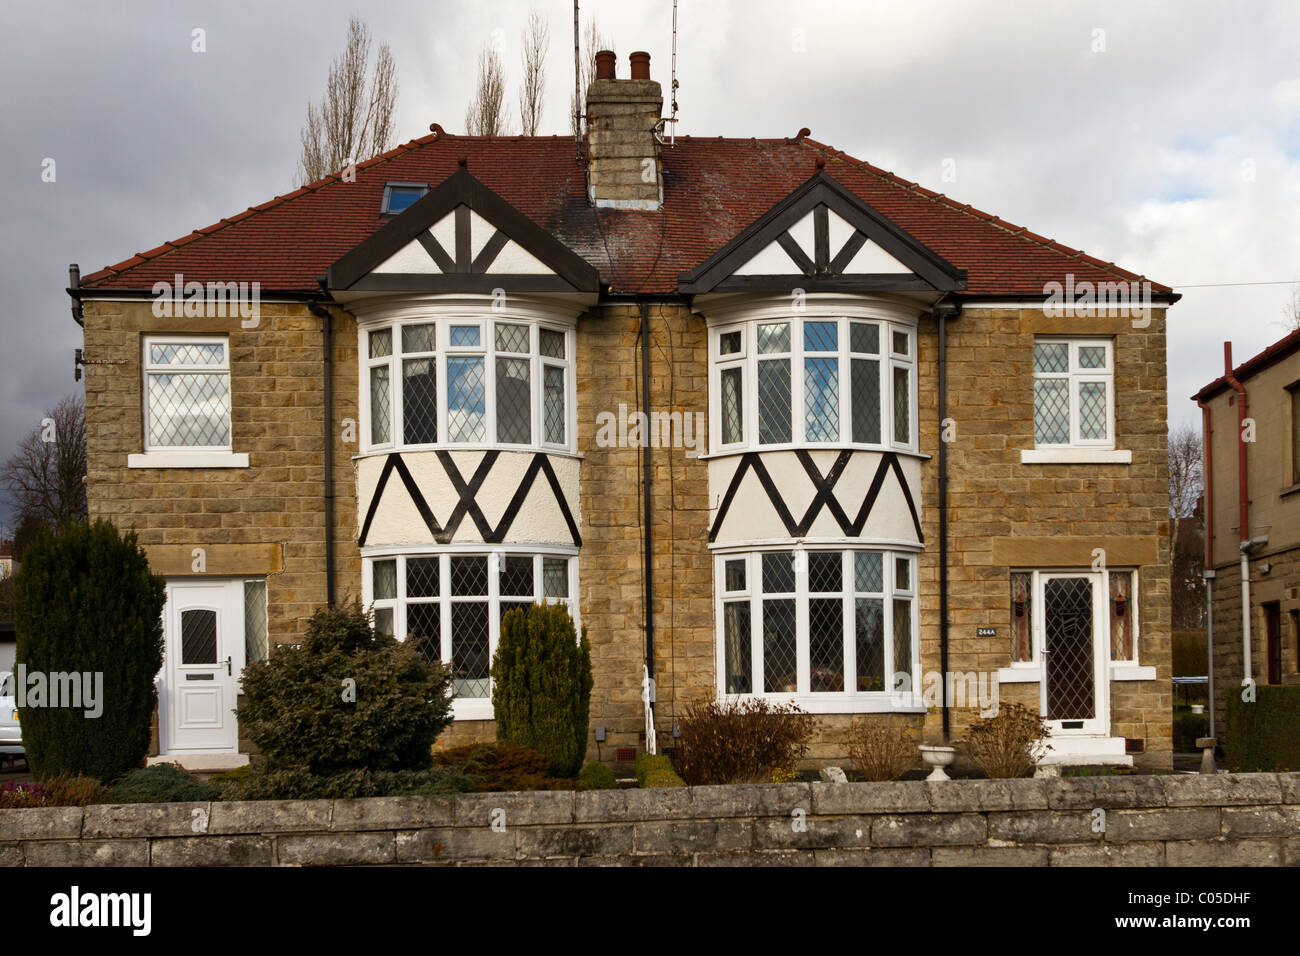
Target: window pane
{"type": "Point", "coordinates": [514, 401]}
{"type": "Point", "coordinates": [1121, 615]}
{"type": "Point", "coordinates": [821, 399]}
{"type": "Point", "coordinates": [864, 337]}
{"type": "Point", "coordinates": [424, 627]}
{"type": "Point", "coordinates": [902, 574]}
{"type": "Point", "coordinates": [869, 642]}
{"type": "Point", "coordinates": [555, 577]}
{"type": "Point", "coordinates": [187, 353]}
{"type": "Point", "coordinates": [471, 658]}
{"type": "Point", "coordinates": [774, 401]}
{"type": "Point", "coordinates": [780, 656]}
{"type": "Point", "coordinates": [468, 575]}
{"type": "Point", "coordinates": [774, 338]}
{"type": "Point", "coordinates": [866, 400]}
{"type": "Point", "coordinates": [903, 676]}
{"type": "Point", "coordinates": [553, 404]}
{"type": "Point", "coordinates": [552, 343]}
{"type": "Point", "coordinates": [1051, 411]}
{"type": "Point", "coordinates": [381, 343]}
{"type": "Point", "coordinates": [1092, 410]}
{"type": "Point", "coordinates": [869, 568]}
{"type": "Point", "coordinates": [466, 399]}
{"type": "Point", "coordinates": [733, 410]}
{"type": "Point", "coordinates": [900, 343]}
{"type": "Point", "coordinates": [820, 336]}
{"type": "Point", "coordinates": [738, 649]}
{"type": "Point", "coordinates": [421, 577]}
{"type": "Point", "coordinates": [1051, 357]}
{"type": "Point", "coordinates": [778, 572]}
{"type": "Point", "coordinates": [1092, 356]}
{"type": "Point", "coordinates": [826, 645]}
{"type": "Point", "coordinates": [198, 636]}
{"type": "Point", "coordinates": [465, 336]}
{"type": "Point", "coordinates": [189, 410]}
{"type": "Point", "coordinates": [825, 571]}
{"type": "Point", "coordinates": [380, 410]}
{"type": "Point", "coordinates": [418, 338]}
{"type": "Point", "coordinates": [735, 575]}
{"type": "Point", "coordinates": [902, 405]}
{"type": "Point", "coordinates": [511, 338]}
{"type": "Point", "coordinates": [383, 580]}
{"type": "Point", "coordinates": [384, 621]}
{"type": "Point", "coordinates": [516, 578]}
{"type": "Point", "coordinates": [1022, 640]}
{"type": "Point", "coordinates": [419, 401]}
{"type": "Point", "coordinates": [255, 636]}
{"type": "Point", "coordinates": [729, 343]}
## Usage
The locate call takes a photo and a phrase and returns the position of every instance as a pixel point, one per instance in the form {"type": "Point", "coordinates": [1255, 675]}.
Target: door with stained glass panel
{"type": "Point", "coordinates": [1074, 684]}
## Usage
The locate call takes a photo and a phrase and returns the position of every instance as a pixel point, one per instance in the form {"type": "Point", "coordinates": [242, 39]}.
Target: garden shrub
{"type": "Point", "coordinates": [663, 778]}
{"type": "Point", "coordinates": [741, 740]}
{"type": "Point", "coordinates": [597, 776]}
{"type": "Point", "coordinates": [161, 783]}
{"type": "Point", "coordinates": [296, 783]}
{"type": "Point", "coordinates": [648, 763]}
{"type": "Point", "coordinates": [541, 690]}
{"type": "Point", "coordinates": [85, 603]}
{"type": "Point", "coordinates": [1262, 736]}
{"type": "Point", "coordinates": [1009, 744]}
{"type": "Point", "coordinates": [501, 767]}
{"type": "Point", "coordinates": [19, 794]}
{"type": "Point", "coordinates": [881, 750]}
{"type": "Point", "coordinates": [348, 699]}
{"type": "Point", "coordinates": [67, 790]}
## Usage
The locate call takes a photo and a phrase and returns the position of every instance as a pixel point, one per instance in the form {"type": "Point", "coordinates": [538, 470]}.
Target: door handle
{"type": "Point", "coordinates": [228, 671]}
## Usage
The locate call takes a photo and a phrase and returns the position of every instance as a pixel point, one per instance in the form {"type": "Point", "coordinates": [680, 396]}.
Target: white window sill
{"type": "Point", "coordinates": [1020, 674]}
{"type": "Point", "coordinates": [826, 446]}
{"type": "Point", "coordinates": [1127, 671]}
{"type": "Point", "coordinates": [1075, 456]}
{"type": "Point", "coordinates": [472, 709]}
{"type": "Point", "coordinates": [842, 703]}
{"type": "Point", "coordinates": [188, 459]}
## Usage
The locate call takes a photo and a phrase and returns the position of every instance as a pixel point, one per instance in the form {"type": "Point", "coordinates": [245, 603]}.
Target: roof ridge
{"type": "Point", "coordinates": [226, 221]}
{"type": "Point", "coordinates": [1021, 232]}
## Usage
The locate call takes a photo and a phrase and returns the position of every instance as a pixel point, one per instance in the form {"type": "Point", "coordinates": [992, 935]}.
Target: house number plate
{"type": "Point", "coordinates": [986, 632]}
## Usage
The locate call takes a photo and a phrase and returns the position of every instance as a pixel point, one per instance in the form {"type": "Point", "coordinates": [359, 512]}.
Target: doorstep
{"type": "Point", "coordinates": [201, 762]}
{"type": "Point", "coordinates": [1085, 751]}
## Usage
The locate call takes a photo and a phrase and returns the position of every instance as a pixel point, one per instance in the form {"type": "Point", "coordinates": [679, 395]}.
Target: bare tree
{"type": "Point", "coordinates": [1291, 309]}
{"type": "Point", "coordinates": [486, 113]}
{"type": "Point", "coordinates": [1186, 527]}
{"type": "Point", "coordinates": [46, 476]}
{"type": "Point", "coordinates": [355, 119]}
{"type": "Point", "coordinates": [1185, 476]}
{"type": "Point", "coordinates": [536, 41]}
{"type": "Point", "coordinates": [593, 42]}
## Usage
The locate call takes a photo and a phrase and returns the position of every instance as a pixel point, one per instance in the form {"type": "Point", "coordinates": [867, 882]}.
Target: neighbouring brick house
{"type": "Point", "coordinates": [1251, 435]}
{"type": "Point", "coordinates": [435, 410]}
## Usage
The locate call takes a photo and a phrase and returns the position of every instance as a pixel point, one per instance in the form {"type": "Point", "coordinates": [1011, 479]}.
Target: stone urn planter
{"type": "Point", "coordinates": [938, 758]}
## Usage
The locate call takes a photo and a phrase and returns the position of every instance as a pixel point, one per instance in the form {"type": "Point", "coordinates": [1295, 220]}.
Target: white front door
{"type": "Point", "coordinates": [1075, 686]}
{"type": "Point", "coordinates": [203, 625]}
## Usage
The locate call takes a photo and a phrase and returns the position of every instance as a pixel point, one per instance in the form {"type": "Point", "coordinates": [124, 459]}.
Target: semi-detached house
{"type": "Point", "coordinates": [873, 451]}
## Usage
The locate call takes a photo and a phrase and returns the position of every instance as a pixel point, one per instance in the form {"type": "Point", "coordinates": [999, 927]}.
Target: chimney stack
{"type": "Point", "coordinates": [624, 169]}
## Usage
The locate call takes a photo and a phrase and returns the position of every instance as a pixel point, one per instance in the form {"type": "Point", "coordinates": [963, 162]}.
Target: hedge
{"type": "Point", "coordinates": [1264, 736]}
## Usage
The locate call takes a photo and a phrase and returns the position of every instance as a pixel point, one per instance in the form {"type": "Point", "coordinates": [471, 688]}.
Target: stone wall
{"type": "Point", "coordinates": [1219, 820]}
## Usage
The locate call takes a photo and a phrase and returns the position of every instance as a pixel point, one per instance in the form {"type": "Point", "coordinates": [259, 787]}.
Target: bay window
{"type": "Point", "coordinates": [813, 381]}
{"type": "Point", "coordinates": [467, 381]}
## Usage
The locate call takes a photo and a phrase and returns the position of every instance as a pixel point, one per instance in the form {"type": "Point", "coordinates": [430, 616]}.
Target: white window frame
{"type": "Point", "coordinates": [821, 702]}
{"type": "Point", "coordinates": [1075, 376]}
{"type": "Point", "coordinates": [486, 349]}
{"type": "Point", "coordinates": [465, 708]}
{"type": "Point", "coordinates": [748, 359]}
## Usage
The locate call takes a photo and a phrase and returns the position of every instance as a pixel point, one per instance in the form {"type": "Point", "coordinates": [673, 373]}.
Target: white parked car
{"type": "Point", "coordinates": [11, 734]}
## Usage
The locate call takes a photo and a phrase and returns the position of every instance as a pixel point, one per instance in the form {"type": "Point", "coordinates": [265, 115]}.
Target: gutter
{"type": "Point", "coordinates": [1243, 506]}
{"type": "Point", "coordinates": [327, 369]}
{"type": "Point", "coordinates": [941, 318]}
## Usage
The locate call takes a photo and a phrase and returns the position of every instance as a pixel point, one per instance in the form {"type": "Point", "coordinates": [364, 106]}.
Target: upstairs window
{"type": "Point", "coordinates": [187, 393]}
{"type": "Point", "coordinates": [399, 197]}
{"type": "Point", "coordinates": [814, 381]}
{"type": "Point", "coordinates": [468, 381]}
{"type": "Point", "coordinates": [1074, 401]}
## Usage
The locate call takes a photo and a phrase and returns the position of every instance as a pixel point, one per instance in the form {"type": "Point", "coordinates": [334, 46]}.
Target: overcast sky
{"type": "Point", "coordinates": [1162, 135]}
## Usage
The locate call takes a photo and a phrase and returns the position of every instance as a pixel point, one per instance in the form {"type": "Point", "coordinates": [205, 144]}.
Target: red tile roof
{"type": "Point", "coordinates": [1282, 348]}
{"type": "Point", "coordinates": [713, 189]}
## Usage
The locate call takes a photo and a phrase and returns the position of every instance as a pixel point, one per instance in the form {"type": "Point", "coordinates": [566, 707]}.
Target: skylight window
{"type": "Point", "coordinates": [399, 197]}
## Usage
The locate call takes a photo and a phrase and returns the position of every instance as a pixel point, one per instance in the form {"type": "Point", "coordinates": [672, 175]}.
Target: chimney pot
{"type": "Point", "coordinates": [640, 65]}
{"type": "Point", "coordinates": [605, 60]}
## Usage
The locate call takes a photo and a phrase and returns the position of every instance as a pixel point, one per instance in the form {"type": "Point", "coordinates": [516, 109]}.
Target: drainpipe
{"type": "Point", "coordinates": [74, 290]}
{"type": "Point", "coordinates": [647, 482]}
{"type": "Point", "coordinates": [327, 347]}
{"type": "Point", "coordinates": [941, 318]}
{"type": "Point", "coordinates": [1243, 506]}
{"type": "Point", "coordinates": [1207, 466]}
